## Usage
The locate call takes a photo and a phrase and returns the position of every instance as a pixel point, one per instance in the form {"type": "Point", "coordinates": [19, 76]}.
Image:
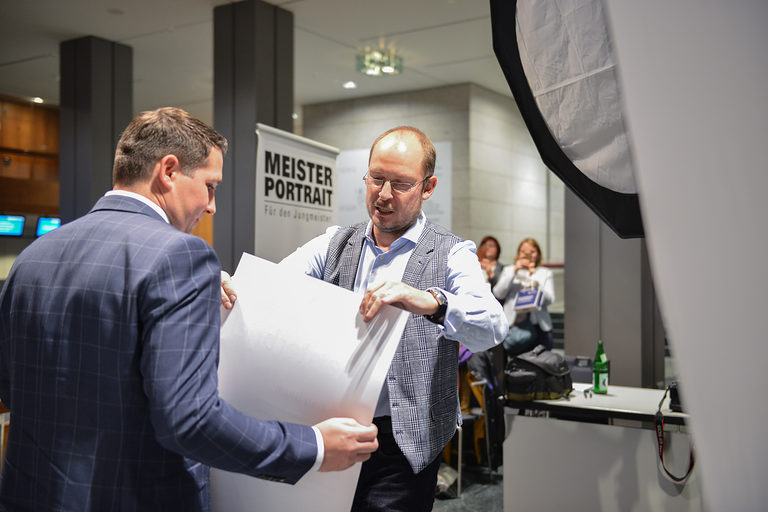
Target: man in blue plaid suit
{"type": "Point", "coordinates": [109, 338]}
{"type": "Point", "coordinates": [400, 258]}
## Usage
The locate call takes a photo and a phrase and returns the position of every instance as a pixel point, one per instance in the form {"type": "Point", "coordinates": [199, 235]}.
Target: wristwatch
{"type": "Point", "coordinates": [438, 317]}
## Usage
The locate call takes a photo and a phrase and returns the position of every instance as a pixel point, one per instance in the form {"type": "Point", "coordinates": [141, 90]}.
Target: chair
{"type": "Point", "coordinates": [480, 427]}
{"type": "Point", "coordinates": [482, 423]}
{"type": "Point", "coordinates": [466, 418]}
{"type": "Point", "coordinates": [473, 417]}
{"type": "Point", "coordinates": [483, 376]}
{"type": "Point", "coordinates": [4, 423]}
{"type": "Point", "coordinates": [581, 368]}
{"type": "Point", "coordinates": [487, 369]}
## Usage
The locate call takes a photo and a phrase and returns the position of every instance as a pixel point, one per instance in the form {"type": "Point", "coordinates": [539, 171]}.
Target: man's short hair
{"type": "Point", "coordinates": [156, 133]}
{"type": "Point", "coordinates": [427, 148]}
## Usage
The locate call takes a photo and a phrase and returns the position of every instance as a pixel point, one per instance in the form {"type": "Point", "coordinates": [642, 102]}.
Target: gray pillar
{"type": "Point", "coordinates": [253, 83]}
{"type": "Point", "coordinates": [96, 97]}
{"type": "Point", "coordinates": [609, 295]}
{"type": "Point", "coordinates": [654, 334]}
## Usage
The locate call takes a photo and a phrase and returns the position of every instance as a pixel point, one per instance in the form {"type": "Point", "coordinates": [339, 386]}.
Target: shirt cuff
{"type": "Point", "coordinates": [320, 450]}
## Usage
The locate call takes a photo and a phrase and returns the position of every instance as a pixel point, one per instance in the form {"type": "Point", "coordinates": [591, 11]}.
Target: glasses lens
{"type": "Point", "coordinates": [373, 182]}
{"type": "Point", "coordinates": [397, 186]}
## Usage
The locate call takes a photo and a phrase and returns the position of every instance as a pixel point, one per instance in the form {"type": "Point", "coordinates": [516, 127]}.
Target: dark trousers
{"type": "Point", "coordinates": [524, 336]}
{"type": "Point", "coordinates": [387, 482]}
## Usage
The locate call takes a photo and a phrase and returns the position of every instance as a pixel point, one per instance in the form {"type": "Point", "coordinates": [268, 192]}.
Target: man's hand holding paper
{"type": "Point", "coordinates": [228, 296]}
{"type": "Point", "coordinates": [346, 443]}
{"type": "Point", "coordinates": [400, 295]}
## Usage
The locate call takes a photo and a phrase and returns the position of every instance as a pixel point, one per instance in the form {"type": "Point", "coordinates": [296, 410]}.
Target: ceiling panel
{"type": "Point", "coordinates": [441, 42]}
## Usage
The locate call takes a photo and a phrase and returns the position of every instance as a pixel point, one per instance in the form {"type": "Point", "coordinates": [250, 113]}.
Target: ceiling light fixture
{"type": "Point", "coordinates": [38, 99]}
{"type": "Point", "coordinates": [379, 62]}
{"type": "Point", "coordinates": [349, 85]}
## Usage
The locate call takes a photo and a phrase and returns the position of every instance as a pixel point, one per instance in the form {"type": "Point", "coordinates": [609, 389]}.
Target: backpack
{"type": "Point", "coordinates": [537, 375]}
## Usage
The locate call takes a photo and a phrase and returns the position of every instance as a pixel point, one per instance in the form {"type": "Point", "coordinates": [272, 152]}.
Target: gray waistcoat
{"type": "Point", "coordinates": [422, 380]}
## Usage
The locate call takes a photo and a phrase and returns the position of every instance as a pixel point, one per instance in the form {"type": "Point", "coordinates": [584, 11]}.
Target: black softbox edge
{"type": "Point", "coordinates": [619, 211]}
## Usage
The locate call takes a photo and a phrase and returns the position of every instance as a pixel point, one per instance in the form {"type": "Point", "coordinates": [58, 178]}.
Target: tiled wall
{"type": "Point", "coordinates": [500, 185]}
{"type": "Point", "coordinates": [512, 195]}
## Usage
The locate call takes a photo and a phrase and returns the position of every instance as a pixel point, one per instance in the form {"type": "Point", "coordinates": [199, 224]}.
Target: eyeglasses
{"type": "Point", "coordinates": [398, 186]}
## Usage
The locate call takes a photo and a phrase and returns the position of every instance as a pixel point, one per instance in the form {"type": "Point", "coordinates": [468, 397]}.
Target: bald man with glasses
{"type": "Point", "coordinates": [400, 258]}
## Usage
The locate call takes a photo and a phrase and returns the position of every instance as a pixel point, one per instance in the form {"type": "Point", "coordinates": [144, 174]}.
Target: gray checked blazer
{"type": "Point", "coordinates": [422, 379]}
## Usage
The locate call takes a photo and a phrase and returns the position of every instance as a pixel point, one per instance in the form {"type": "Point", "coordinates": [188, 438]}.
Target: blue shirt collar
{"type": "Point", "coordinates": [410, 236]}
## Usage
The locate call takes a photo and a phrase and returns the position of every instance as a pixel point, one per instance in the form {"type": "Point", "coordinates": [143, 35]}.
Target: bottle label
{"type": "Point", "coordinates": [600, 382]}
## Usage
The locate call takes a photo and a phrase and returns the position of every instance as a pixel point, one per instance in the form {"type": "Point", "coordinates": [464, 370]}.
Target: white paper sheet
{"type": "Point", "coordinates": [295, 349]}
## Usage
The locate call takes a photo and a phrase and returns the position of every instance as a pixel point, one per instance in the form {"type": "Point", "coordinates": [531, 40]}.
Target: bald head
{"type": "Point", "coordinates": [391, 138]}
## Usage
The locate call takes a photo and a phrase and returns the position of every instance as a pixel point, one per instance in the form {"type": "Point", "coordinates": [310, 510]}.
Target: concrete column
{"type": "Point", "coordinates": [96, 97]}
{"type": "Point", "coordinates": [253, 83]}
{"type": "Point", "coordinates": [609, 295]}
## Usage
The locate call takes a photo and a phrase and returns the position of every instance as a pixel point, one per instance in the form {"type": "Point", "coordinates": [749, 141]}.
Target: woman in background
{"type": "Point", "coordinates": [526, 330]}
{"type": "Point", "coordinates": [488, 253]}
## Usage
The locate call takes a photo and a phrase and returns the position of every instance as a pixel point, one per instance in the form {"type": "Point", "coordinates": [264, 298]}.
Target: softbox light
{"type": "Point", "coordinates": [558, 60]}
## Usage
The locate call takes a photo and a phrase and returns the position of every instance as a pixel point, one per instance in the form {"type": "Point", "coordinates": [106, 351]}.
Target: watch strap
{"type": "Point", "coordinates": [438, 317]}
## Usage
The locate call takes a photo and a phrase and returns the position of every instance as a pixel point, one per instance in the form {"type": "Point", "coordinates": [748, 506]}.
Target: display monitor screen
{"type": "Point", "coordinates": [46, 224]}
{"type": "Point", "coordinates": [11, 225]}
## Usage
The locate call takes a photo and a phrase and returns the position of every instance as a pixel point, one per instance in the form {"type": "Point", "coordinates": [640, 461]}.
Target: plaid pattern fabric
{"type": "Point", "coordinates": [109, 332]}
{"type": "Point", "coordinates": [423, 375]}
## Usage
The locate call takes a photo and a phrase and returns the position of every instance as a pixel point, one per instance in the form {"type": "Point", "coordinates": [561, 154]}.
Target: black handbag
{"type": "Point", "coordinates": [539, 374]}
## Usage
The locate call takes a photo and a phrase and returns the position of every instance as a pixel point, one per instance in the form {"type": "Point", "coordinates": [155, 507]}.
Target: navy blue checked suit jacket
{"type": "Point", "coordinates": [109, 343]}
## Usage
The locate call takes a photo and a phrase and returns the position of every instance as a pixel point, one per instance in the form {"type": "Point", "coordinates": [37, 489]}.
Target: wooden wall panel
{"type": "Point", "coordinates": [205, 229]}
{"type": "Point", "coordinates": [29, 127]}
{"type": "Point", "coordinates": [45, 135]}
{"type": "Point", "coordinates": [29, 196]}
{"type": "Point", "coordinates": [29, 160]}
{"type": "Point", "coordinates": [15, 165]}
{"type": "Point", "coordinates": [15, 126]}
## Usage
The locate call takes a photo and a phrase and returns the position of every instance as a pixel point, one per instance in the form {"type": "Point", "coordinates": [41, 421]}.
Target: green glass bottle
{"type": "Point", "coordinates": [600, 370]}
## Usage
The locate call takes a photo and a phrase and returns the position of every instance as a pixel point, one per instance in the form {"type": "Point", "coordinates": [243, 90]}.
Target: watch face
{"type": "Point", "coordinates": [439, 296]}
{"type": "Point", "coordinates": [438, 316]}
